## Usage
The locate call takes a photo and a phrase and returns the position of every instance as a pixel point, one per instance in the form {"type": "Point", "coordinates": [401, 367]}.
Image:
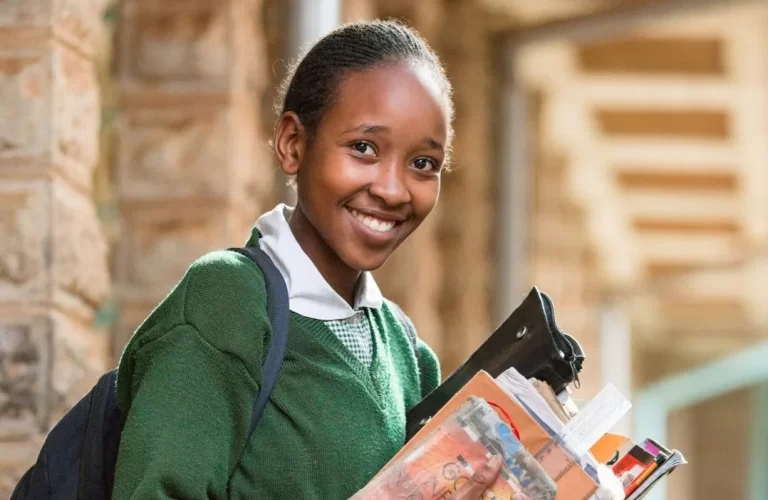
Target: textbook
{"type": "Point", "coordinates": [554, 459]}
{"type": "Point", "coordinates": [516, 388]}
{"type": "Point", "coordinates": [520, 422]}
{"type": "Point", "coordinates": [447, 456]}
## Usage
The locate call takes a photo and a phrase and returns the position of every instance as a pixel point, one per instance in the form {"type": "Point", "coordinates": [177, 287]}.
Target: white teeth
{"type": "Point", "coordinates": [378, 225]}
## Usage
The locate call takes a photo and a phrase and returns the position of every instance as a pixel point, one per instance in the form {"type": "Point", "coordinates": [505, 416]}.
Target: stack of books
{"type": "Point", "coordinates": [550, 449]}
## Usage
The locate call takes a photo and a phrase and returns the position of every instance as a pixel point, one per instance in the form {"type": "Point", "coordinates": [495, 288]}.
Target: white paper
{"type": "Point", "coordinates": [523, 389]}
{"type": "Point", "coordinates": [596, 418]}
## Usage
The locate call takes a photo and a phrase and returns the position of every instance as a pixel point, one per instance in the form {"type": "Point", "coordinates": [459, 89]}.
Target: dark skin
{"type": "Point", "coordinates": [368, 178]}
{"type": "Point", "coordinates": [379, 151]}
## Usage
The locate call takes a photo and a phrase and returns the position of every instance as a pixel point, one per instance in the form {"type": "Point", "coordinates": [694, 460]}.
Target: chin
{"type": "Point", "coordinates": [367, 262]}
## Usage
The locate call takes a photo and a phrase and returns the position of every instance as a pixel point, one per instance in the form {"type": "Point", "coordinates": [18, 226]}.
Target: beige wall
{"type": "Point", "coordinates": [53, 256]}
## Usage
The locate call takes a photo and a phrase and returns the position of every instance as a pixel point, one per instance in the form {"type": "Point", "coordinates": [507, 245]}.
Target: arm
{"type": "Point", "coordinates": [189, 415]}
{"type": "Point", "coordinates": [187, 382]}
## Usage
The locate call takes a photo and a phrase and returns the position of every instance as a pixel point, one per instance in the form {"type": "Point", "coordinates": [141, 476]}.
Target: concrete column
{"type": "Point", "coordinates": [308, 21]}
{"type": "Point", "coordinates": [311, 20]}
{"type": "Point", "coordinates": [193, 166]}
{"type": "Point", "coordinates": [53, 268]}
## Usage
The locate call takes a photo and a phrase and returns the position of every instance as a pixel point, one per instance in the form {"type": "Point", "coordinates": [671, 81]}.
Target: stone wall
{"type": "Point", "coordinates": [193, 168]}
{"type": "Point", "coordinates": [53, 262]}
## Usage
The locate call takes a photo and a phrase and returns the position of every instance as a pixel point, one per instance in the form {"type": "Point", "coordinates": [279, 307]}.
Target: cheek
{"type": "Point", "coordinates": [340, 176]}
{"type": "Point", "coordinates": [424, 196]}
{"type": "Point", "coordinates": [328, 179]}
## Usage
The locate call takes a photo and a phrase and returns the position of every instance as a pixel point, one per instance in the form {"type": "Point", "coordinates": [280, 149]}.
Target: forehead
{"type": "Point", "coordinates": [401, 96]}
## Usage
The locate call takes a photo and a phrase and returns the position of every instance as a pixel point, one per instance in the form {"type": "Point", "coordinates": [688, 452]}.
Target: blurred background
{"type": "Point", "coordinates": [613, 153]}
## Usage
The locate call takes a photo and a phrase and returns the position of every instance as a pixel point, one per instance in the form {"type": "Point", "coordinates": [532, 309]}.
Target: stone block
{"type": "Point", "coordinates": [183, 46]}
{"type": "Point", "coordinates": [81, 280]}
{"type": "Point", "coordinates": [77, 22]}
{"type": "Point", "coordinates": [76, 114]}
{"type": "Point", "coordinates": [49, 113]}
{"type": "Point", "coordinates": [26, 358]}
{"type": "Point", "coordinates": [26, 13]}
{"type": "Point", "coordinates": [52, 247]}
{"type": "Point", "coordinates": [159, 245]}
{"type": "Point", "coordinates": [25, 223]}
{"type": "Point", "coordinates": [26, 99]}
{"type": "Point", "coordinates": [47, 363]}
{"type": "Point", "coordinates": [16, 458]}
{"type": "Point", "coordinates": [174, 156]}
{"type": "Point", "coordinates": [79, 357]}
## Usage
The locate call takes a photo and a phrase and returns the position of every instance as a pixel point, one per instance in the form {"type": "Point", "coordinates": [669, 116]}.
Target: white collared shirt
{"type": "Point", "coordinates": [310, 294]}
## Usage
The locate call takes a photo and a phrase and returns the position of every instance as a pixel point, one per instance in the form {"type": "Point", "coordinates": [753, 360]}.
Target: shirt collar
{"type": "Point", "coordinates": [309, 293]}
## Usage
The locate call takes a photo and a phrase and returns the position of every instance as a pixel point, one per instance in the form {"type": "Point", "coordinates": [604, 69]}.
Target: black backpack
{"type": "Point", "coordinates": [78, 457]}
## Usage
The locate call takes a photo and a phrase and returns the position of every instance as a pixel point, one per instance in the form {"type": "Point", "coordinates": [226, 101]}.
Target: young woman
{"type": "Point", "coordinates": [365, 129]}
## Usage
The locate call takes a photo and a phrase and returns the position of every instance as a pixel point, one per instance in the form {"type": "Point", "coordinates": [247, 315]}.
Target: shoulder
{"type": "Point", "coordinates": [405, 323]}
{"type": "Point", "coordinates": [217, 308]}
{"type": "Point", "coordinates": [225, 300]}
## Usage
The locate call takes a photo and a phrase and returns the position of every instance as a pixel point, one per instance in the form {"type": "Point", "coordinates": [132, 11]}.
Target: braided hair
{"type": "Point", "coordinates": [312, 82]}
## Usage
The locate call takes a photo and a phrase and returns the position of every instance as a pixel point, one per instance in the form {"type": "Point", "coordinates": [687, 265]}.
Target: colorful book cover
{"type": "Point", "coordinates": [631, 466]}
{"type": "Point", "coordinates": [447, 458]}
{"type": "Point", "coordinates": [606, 450]}
{"type": "Point", "coordinates": [573, 482]}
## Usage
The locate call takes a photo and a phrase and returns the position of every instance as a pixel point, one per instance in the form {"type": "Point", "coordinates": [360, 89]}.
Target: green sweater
{"type": "Point", "coordinates": [189, 376]}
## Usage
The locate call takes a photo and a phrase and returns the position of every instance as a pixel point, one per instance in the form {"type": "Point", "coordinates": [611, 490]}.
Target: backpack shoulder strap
{"type": "Point", "coordinates": [277, 308]}
{"type": "Point", "coordinates": [407, 326]}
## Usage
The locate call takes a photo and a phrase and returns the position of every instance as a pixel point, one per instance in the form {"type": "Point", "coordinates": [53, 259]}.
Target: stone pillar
{"type": "Point", "coordinates": [193, 162]}
{"type": "Point", "coordinates": [53, 267]}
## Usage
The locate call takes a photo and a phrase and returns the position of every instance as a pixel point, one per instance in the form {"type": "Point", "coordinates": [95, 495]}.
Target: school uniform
{"type": "Point", "coordinates": [189, 376]}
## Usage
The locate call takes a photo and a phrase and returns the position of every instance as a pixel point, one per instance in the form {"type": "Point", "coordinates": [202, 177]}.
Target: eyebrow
{"type": "Point", "coordinates": [433, 144]}
{"type": "Point", "coordinates": [367, 128]}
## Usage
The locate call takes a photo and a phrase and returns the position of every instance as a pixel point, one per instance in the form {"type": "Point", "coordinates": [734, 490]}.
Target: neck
{"type": "Point", "coordinates": [342, 278]}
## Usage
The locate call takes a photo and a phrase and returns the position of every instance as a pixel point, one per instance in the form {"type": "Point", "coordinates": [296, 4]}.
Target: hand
{"type": "Point", "coordinates": [480, 481]}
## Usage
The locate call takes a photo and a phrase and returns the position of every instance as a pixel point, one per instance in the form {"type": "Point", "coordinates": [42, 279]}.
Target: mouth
{"type": "Point", "coordinates": [375, 224]}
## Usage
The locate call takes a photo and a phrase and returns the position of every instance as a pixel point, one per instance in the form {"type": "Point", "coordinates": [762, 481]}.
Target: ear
{"type": "Point", "coordinates": [290, 142]}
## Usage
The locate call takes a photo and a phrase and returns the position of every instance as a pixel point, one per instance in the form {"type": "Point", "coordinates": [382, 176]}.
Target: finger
{"type": "Point", "coordinates": [480, 481]}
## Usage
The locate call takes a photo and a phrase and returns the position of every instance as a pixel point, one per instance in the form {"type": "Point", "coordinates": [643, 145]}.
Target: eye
{"type": "Point", "coordinates": [424, 164]}
{"type": "Point", "coordinates": [363, 148]}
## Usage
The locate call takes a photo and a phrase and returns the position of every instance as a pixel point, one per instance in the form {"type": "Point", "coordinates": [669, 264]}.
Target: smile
{"type": "Point", "coordinates": [372, 223]}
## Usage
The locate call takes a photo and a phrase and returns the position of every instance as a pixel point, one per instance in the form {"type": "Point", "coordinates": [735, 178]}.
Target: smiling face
{"type": "Point", "coordinates": [371, 174]}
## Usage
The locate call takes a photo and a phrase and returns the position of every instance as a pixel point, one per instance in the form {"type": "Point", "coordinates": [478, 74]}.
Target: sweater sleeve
{"type": "Point", "coordinates": [187, 382]}
{"type": "Point", "coordinates": [190, 407]}
{"type": "Point", "coordinates": [429, 368]}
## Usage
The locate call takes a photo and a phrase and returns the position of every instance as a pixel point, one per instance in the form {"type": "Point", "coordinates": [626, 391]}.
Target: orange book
{"type": "Point", "coordinates": [606, 450]}
{"type": "Point", "coordinates": [573, 483]}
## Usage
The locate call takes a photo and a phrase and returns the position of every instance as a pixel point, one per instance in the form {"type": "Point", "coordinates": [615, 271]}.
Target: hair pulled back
{"type": "Point", "coordinates": [311, 84]}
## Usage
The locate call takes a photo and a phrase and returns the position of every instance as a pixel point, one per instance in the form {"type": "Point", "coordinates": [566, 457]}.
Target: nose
{"type": "Point", "coordinates": [390, 184]}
